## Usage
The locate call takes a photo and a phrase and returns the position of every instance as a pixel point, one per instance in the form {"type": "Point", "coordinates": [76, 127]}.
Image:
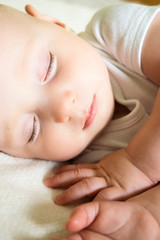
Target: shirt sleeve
{"type": "Point", "coordinates": [119, 30]}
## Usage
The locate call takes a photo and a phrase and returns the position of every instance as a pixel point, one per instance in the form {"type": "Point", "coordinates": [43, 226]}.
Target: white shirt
{"type": "Point", "coordinates": [118, 32]}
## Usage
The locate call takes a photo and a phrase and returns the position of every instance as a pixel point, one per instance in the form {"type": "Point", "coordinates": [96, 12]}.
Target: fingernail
{"type": "Point", "coordinates": [47, 182]}
{"type": "Point", "coordinates": [58, 199]}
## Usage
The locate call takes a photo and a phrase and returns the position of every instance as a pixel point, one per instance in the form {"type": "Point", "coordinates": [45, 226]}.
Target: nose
{"type": "Point", "coordinates": [63, 108]}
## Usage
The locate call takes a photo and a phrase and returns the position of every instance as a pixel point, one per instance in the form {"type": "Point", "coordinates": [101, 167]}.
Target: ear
{"type": "Point", "coordinates": [34, 12]}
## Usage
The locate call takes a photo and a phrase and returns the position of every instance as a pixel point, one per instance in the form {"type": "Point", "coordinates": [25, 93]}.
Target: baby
{"type": "Point", "coordinates": [61, 95]}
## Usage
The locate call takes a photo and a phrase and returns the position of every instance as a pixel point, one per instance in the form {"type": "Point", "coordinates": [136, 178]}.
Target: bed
{"type": "Point", "coordinates": [27, 210]}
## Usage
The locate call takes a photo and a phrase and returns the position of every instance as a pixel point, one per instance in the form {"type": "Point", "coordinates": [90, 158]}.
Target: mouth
{"type": "Point", "coordinates": [89, 119]}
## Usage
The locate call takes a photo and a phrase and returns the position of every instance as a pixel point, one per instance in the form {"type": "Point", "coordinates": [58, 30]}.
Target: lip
{"type": "Point", "coordinates": [89, 118]}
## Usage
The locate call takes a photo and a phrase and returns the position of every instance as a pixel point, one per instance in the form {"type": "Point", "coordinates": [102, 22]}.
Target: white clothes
{"type": "Point", "coordinates": [118, 32]}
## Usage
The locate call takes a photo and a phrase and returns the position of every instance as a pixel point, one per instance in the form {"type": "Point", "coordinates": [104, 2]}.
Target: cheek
{"type": "Point", "coordinates": [60, 144]}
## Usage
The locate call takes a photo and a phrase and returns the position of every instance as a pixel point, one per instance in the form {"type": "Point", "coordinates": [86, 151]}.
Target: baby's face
{"type": "Point", "coordinates": [55, 94]}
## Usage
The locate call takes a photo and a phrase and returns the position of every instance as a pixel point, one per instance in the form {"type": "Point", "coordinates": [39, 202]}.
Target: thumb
{"type": "Point", "coordinates": [82, 216]}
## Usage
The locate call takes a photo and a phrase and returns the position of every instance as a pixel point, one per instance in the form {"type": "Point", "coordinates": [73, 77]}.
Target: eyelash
{"type": "Point", "coordinates": [51, 68]}
{"type": "Point", "coordinates": [50, 74]}
{"type": "Point", "coordinates": [35, 129]}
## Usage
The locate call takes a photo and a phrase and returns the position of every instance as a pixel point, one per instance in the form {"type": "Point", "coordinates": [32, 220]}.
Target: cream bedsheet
{"type": "Point", "coordinates": [27, 210]}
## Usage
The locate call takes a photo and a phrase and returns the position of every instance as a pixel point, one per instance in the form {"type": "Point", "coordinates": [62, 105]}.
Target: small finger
{"type": "Point", "coordinates": [64, 168]}
{"type": "Point", "coordinates": [86, 187]}
{"type": "Point", "coordinates": [69, 178]}
{"type": "Point", "coordinates": [32, 11]}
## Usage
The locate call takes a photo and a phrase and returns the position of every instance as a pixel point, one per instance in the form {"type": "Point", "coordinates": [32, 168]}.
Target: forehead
{"type": "Point", "coordinates": [17, 29]}
{"type": "Point", "coordinates": [13, 23]}
{"type": "Point", "coordinates": [12, 43]}
{"type": "Point", "coordinates": [15, 42]}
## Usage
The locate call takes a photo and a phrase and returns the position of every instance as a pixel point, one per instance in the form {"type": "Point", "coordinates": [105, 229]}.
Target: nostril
{"type": "Point", "coordinates": [64, 110]}
{"type": "Point", "coordinates": [70, 96]}
{"type": "Point", "coordinates": [62, 119]}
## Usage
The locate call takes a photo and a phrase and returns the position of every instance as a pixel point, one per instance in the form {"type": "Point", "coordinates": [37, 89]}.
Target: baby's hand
{"type": "Point", "coordinates": [107, 220]}
{"type": "Point", "coordinates": [113, 178]}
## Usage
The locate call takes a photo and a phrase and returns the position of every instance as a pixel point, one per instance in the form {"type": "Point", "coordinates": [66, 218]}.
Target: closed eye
{"type": "Point", "coordinates": [52, 67]}
{"type": "Point", "coordinates": [35, 129]}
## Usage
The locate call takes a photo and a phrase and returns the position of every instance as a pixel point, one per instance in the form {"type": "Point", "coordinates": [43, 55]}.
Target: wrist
{"type": "Point", "coordinates": [150, 201]}
{"type": "Point", "coordinates": [144, 147]}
